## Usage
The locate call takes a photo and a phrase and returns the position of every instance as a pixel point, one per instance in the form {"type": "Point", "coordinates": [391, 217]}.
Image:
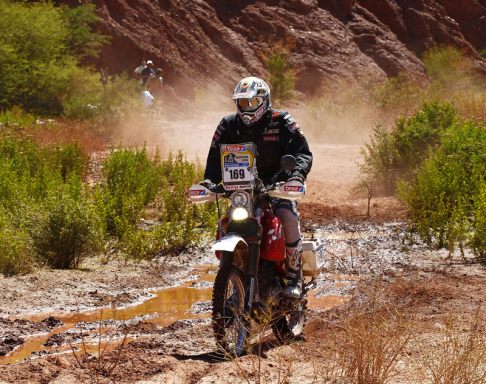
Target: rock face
{"type": "Point", "coordinates": [205, 40]}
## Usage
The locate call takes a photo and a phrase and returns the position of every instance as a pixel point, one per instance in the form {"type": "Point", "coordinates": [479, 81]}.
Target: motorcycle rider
{"type": "Point", "coordinates": [275, 133]}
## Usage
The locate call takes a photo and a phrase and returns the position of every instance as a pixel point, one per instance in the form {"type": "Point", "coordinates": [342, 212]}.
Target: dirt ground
{"type": "Point", "coordinates": [382, 287]}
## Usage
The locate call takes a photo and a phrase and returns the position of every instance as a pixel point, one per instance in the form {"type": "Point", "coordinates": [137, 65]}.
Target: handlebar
{"type": "Point", "coordinates": [219, 188]}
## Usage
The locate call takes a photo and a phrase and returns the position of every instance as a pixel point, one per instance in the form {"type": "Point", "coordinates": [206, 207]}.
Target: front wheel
{"type": "Point", "coordinates": [289, 326]}
{"type": "Point", "coordinates": [230, 323]}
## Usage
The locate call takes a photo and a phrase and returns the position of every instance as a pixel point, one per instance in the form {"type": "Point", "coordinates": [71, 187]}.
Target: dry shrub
{"type": "Point", "coordinates": [372, 338]}
{"type": "Point", "coordinates": [255, 368]}
{"type": "Point", "coordinates": [458, 354]}
{"type": "Point", "coordinates": [100, 364]}
{"type": "Point", "coordinates": [59, 132]}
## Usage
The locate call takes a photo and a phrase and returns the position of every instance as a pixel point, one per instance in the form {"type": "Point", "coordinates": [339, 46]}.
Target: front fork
{"type": "Point", "coordinates": [251, 274]}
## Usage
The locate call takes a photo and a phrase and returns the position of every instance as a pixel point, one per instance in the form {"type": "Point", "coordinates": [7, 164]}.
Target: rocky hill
{"type": "Point", "coordinates": [195, 40]}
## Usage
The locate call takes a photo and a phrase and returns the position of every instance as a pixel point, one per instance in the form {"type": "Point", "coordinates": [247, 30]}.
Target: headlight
{"type": "Point", "coordinates": [240, 199]}
{"type": "Point", "coordinates": [239, 214]}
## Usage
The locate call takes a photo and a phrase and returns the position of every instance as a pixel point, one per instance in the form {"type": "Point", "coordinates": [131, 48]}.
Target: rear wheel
{"type": "Point", "coordinates": [289, 327]}
{"type": "Point", "coordinates": [230, 324]}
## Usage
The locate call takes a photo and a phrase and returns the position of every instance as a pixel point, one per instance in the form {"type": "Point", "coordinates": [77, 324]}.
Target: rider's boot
{"type": "Point", "coordinates": [294, 270]}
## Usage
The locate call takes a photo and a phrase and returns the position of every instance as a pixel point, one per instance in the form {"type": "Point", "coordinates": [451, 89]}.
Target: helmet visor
{"type": "Point", "coordinates": [249, 105]}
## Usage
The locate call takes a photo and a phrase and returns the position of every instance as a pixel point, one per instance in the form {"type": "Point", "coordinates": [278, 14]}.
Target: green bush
{"type": "Point", "coordinates": [478, 241]}
{"type": "Point", "coordinates": [50, 216]}
{"type": "Point", "coordinates": [135, 186]}
{"type": "Point", "coordinates": [282, 74]}
{"type": "Point", "coordinates": [40, 46]}
{"type": "Point", "coordinates": [69, 227]}
{"type": "Point", "coordinates": [131, 181]}
{"type": "Point", "coordinates": [390, 156]}
{"type": "Point", "coordinates": [183, 220]}
{"type": "Point", "coordinates": [15, 247]}
{"type": "Point", "coordinates": [86, 97]}
{"type": "Point", "coordinates": [446, 197]}
{"type": "Point", "coordinates": [82, 41]}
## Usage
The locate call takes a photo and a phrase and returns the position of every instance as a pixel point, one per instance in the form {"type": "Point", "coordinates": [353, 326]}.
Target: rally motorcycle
{"type": "Point", "coordinates": [250, 247]}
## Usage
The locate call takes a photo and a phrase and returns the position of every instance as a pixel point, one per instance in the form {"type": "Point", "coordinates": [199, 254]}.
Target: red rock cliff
{"type": "Point", "coordinates": [194, 40]}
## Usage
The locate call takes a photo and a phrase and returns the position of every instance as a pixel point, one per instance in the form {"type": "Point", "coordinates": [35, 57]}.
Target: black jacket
{"type": "Point", "coordinates": [275, 135]}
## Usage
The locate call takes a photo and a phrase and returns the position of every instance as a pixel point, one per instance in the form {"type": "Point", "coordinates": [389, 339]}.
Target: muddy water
{"type": "Point", "coordinates": [164, 308]}
{"type": "Point", "coordinates": [167, 306]}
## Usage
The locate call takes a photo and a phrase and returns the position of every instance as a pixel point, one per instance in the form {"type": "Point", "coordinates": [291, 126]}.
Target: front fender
{"type": "Point", "coordinates": [228, 243]}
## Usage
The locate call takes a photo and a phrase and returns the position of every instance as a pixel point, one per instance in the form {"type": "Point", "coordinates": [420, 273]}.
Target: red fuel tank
{"type": "Point", "coordinates": [272, 247]}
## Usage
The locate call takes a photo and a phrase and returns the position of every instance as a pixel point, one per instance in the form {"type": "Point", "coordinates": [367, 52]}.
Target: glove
{"type": "Point", "coordinates": [208, 184]}
{"type": "Point", "coordinates": [297, 176]}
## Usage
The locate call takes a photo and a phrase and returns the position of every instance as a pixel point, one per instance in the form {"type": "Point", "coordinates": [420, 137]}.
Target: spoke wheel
{"type": "Point", "coordinates": [230, 324]}
{"type": "Point", "coordinates": [289, 327]}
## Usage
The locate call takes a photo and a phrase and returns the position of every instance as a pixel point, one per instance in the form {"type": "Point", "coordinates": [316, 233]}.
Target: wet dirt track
{"type": "Point", "coordinates": [168, 338]}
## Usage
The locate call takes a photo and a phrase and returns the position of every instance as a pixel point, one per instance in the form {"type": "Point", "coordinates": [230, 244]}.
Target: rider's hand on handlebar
{"type": "Point", "coordinates": [208, 184]}
{"type": "Point", "coordinates": [216, 188]}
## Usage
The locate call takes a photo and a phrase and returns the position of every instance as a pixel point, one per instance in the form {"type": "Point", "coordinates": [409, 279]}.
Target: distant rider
{"type": "Point", "coordinates": [275, 134]}
{"type": "Point", "coordinates": [146, 71]}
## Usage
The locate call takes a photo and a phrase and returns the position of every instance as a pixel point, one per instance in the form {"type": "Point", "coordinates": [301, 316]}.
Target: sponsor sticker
{"type": "Point", "coordinates": [270, 138]}
{"type": "Point", "coordinates": [197, 192]}
{"type": "Point", "coordinates": [234, 148]}
{"type": "Point", "coordinates": [271, 131]}
{"type": "Point", "coordinates": [293, 188]}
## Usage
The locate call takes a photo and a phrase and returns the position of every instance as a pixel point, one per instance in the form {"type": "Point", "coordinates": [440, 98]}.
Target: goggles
{"type": "Point", "coordinates": [250, 105]}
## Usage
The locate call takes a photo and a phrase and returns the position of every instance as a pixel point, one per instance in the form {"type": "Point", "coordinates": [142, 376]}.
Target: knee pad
{"type": "Point", "coordinates": [290, 223]}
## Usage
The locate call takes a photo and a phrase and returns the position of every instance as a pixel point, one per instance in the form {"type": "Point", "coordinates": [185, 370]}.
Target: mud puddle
{"type": "Point", "coordinates": [165, 307]}
{"type": "Point", "coordinates": [107, 328]}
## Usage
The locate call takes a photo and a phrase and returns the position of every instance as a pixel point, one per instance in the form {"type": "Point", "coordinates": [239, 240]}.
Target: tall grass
{"type": "Point", "coordinates": [131, 181]}
{"type": "Point", "coordinates": [179, 224]}
{"type": "Point", "coordinates": [15, 246]}
{"type": "Point", "coordinates": [340, 114]}
{"type": "Point", "coordinates": [371, 342]}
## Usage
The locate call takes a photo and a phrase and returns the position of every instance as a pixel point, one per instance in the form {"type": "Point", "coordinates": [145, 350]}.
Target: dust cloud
{"type": "Point", "coordinates": [336, 126]}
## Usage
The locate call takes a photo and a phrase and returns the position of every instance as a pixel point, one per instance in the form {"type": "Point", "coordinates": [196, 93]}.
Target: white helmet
{"type": "Point", "coordinates": [252, 98]}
